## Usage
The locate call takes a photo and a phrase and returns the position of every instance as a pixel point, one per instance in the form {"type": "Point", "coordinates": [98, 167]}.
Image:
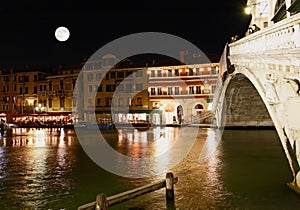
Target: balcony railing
{"type": "Point", "coordinates": [280, 36]}
{"type": "Point", "coordinates": [42, 93]}
{"type": "Point", "coordinates": [57, 93]}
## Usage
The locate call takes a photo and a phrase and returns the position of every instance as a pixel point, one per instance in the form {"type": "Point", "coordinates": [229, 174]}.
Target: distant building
{"type": "Point", "coordinates": [37, 96]}
{"type": "Point", "coordinates": [114, 93]}
{"type": "Point", "coordinates": [56, 93]}
{"type": "Point", "coordinates": [19, 92]}
{"type": "Point", "coordinates": [182, 92]}
{"type": "Point", "coordinates": [109, 89]}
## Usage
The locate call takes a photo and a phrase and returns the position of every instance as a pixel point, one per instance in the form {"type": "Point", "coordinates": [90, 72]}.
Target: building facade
{"type": "Point", "coordinates": [59, 92]}
{"type": "Point", "coordinates": [19, 92]}
{"type": "Point", "coordinates": [105, 90]}
{"type": "Point", "coordinates": [114, 93]}
{"type": "Point", "coordinates": [182, 92]}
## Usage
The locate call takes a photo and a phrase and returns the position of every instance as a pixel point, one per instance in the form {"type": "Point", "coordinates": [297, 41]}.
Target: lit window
{"type": "Point", "coordinates": [98, 76]}
{"type": "Point", "coordinates": [177, 91]}
{"type": "Point", "coordinates": [90, 88]}
{"type": "Point", "coordinates": [90, 76]}
{"type": "Point", "coordinates": [176, 72]}
{"type": "Point", "coordinates": [170, 91]}
{"type": "Point", "coordinates": [191, 90]}
{"type": "Point", "coordinates": [153, 91]}
{"type": "Point", "coordinates": [198, 89]}
{"type": "Point", "coordinates": [139, 101]}
{"type": "Point", "coordinates": [128, 88]}
{"type": "Point", "coordinates": [139, 73]}
{"type": "Point", "coordinates": [139, 87]}
{"type": "Point", "coordinates": [159, 74]}
{"type": "Point", "coordinates": [108, 102]}
{"type": "Point", "coordinates": [159, 91]}
{"type": "Point", "coordinates": [152, 73]}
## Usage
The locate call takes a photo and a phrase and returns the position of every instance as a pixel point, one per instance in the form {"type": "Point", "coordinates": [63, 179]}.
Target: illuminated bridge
{"type": "Point", "coordinates": [260, 76]}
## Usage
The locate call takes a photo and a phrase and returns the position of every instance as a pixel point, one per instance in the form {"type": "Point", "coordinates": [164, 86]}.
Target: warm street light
{"type": "Point", "coordinates": [248, 10]}
{"type": "Point", "coordinates": [258, 9]}
{"type": "Point", "coordinates": [262, 5]}
{"type": "Point", "coordinates": [40, 108]}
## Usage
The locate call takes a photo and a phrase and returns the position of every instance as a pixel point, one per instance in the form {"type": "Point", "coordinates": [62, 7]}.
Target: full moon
{"type": "Point", "coordinates": [62, 34]}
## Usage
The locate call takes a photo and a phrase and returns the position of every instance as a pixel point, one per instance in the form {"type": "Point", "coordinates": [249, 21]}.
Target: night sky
{"type": "Point", "coordinates": [27, 27]}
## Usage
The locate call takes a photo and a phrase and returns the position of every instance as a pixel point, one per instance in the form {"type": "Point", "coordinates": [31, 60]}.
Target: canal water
{"type": "Point", "coordinates": [48, 169]}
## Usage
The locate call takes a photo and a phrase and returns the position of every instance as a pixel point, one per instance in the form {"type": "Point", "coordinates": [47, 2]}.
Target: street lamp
{"type": "Point", "coordinates": [259, 11]}
{"type": "Point", "coordinates": [248, 10]}
{"type": "Point", "coordinates": [40, 108]}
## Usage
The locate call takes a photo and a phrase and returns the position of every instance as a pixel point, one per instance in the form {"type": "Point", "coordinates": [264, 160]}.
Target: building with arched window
{"type": "Point", "coordinates": [179, 91]}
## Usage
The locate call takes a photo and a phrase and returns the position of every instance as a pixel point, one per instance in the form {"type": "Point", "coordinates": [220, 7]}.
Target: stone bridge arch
{"type": "Point", "coordinates": [244, 104]}
{"type": "Point", "coordinates": [256, 97]}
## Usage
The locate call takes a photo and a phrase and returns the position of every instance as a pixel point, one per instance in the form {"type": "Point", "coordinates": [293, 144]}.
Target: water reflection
{"type": "Point", "coordinates": [139, 144]}
{"type": "Point", "coordinates": [35, 167]}
{"type": "Point", "coordinates": [47, 169]}
{"type": "Point", "coordinates": [3, 161]}
{"type": "Point", "coordinates": [213, 139]}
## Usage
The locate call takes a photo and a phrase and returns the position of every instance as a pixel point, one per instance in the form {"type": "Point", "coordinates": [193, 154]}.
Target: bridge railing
{"type": "Point", "coordinates": [102, 202]}
{"type": "Point", "coordinates": [282, 35]}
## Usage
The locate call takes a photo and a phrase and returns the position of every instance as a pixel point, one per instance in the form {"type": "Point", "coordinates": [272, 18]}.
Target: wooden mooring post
{"type": "Point", "coordinates": [102, 202]}
{"type": "Point", "coordinates": [169, 187]}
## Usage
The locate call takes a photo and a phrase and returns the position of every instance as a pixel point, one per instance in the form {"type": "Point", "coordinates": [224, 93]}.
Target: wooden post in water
{"type": "Point", "coordinates": [170, 187]}
{"type": "Point", "coordinates": [101, 202]}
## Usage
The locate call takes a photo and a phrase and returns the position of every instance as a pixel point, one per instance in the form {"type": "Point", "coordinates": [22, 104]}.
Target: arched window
{"type": "Point", "coordinates": [198, 106]}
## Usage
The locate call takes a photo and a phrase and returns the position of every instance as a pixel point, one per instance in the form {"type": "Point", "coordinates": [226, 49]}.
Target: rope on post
{"type": "Point", "coordinates": [101, 202]}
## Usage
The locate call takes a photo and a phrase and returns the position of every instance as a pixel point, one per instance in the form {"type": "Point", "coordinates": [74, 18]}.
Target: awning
{"type": "Point", "coordinates": [42, 114]}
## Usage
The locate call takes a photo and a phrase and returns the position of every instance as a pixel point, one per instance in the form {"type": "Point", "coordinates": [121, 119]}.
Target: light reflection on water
{"type": "Point", "coordinates": [146, 143]}
{"type": "Point", "coordinates": [36, 166]}
{"type": "Point", "coordinates": [47, 169]}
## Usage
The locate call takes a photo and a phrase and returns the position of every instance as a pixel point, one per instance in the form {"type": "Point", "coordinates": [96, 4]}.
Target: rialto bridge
{"type": "Point", "coordinates": [259, 85]}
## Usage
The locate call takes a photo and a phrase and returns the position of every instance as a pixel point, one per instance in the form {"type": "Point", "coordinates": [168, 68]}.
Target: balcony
{"type": "Point", "coordinates": [42, 93]}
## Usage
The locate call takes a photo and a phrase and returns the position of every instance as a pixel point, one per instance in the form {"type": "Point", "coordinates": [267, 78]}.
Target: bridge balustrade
{"type": "Point", "coordinates": [282, 35]}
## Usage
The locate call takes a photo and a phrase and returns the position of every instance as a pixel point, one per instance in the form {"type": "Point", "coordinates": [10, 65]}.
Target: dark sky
{"type": "Point", "coordinates": [27, 27]}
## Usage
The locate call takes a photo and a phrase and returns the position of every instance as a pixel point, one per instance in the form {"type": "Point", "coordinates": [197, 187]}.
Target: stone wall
{"type": "Point", "coordinates": [244, 106]}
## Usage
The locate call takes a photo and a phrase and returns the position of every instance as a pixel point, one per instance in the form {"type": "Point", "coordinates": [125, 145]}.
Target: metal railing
{"type": "Point", "coordinates": [103, 202]}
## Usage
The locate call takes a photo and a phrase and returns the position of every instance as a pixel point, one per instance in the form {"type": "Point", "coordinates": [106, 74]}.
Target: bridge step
{"type": "Point", "coordinates": [204, 117]}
